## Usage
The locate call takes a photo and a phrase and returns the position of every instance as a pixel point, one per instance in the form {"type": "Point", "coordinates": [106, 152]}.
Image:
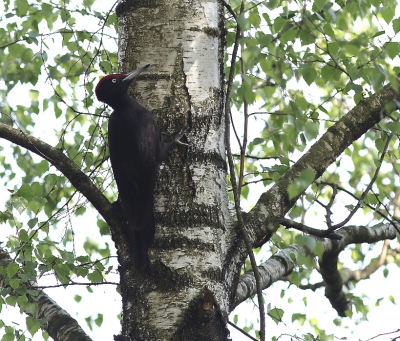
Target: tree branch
{"type": "Point", "coordinates": [290, 224]}
{"type": "Point", "coordinates": [283, 263]}
{"type": "Point", "coordinates": [66, 166]}
{"type": "Point", "coordinates": [387, 256]}
{"type": "Point", "coordinates": [264, 218]}
{"type": "Point", "coordinates": [60, 325]}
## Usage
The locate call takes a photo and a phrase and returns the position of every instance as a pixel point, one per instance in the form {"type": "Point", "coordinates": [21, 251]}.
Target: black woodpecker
{"type": "Point", "coordinates": [136, 149]}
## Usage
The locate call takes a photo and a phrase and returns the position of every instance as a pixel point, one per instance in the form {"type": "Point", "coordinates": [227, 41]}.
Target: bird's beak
{"type": "Point", "coordinates": [134, 74]}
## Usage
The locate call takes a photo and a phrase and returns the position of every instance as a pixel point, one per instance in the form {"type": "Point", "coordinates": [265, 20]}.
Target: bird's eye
{"type": "Point", "coordinates": [114, 80]}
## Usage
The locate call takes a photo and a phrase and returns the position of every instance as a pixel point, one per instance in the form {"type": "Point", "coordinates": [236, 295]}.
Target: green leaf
{"type": "Point", "coordinates": [278, 24]}
{"type": "Point", "coordinates": [311, 130]}
{"type": "Point", "coordinates": [33, 325]}
{"type": "Point", "coordinates": [32, 223]}
{"type": "Point", "coordinates": [258, 140]}
{"type": "Point", "coordinates": [351, 49]}
{"type": "Point", "coordinates": [254, 18]}
{"type": "Point", "coordinates": [14, 283]}
{"type": "Point", "coordinates": [396, 25]}
{"type": "Point", "coordinates": [31, 308]}
{"type": "Point", "coordinates": [12, 269]}
{"type": "Point", "coordinates": [388, 13]}
{"type": "Point", "coordinates": [393, 49]}
{"type": "Point", "coordinates": [99, 320]}
{"type": "Point", "coordinates": [394, 127]}
{"type": "Point", "coordinates": [301, 318]}
{"type": "Point", "coordinates": [20, 204]}
{"type": "Point", "coordinates": [309, 75]}
{"type": "Point", "coordinates": [11, 300]}
{"type": "Point", "coordinates": [103, 227]}
{"type": "Point", "coordinates": [301, 183]}
{"type": "Point", "coordinates": [95, 277]}
{"type": "Point", "coordinates": [326, 73]}
{"type": "Point", "coordinates": [22, 7]}
{"type": "Point", "coordinates": [36, 205]}
{"type": "Point", "coordinates": [89, 322]}
{"type": "Point", "coordinates": [22, 301]}
{"type": "Point", "coordinates": [34, 95]}
{"type": "Point", "coordinates": [42, 167]}
{"type": "Point", "coordinates": [8, 337]}
{"type": "Point", "coordinates": [329, 31]}
{"type": "Point", "coordinates": [306, 38]}
{"type": "Point", "coordinates": [26, 192]}
{"type": "Point", "coordinates": [333, 48]}
{"type": "Point", "coordinates": [318, 5]}
{"type": "Point", "coordinates": [276, 314]}
{"type": "Point", "coordinates": [62, 272]}
{"type": "Point", "coordinates": [311, 243]}
{"type": "Point", "coordinates": [385, 272]}
{"type": "Point", "coordinates": [23, 235]}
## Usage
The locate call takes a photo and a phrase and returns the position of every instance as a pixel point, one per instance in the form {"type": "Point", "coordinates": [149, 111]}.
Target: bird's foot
{"type": "Point", "coordinates": [180, 135]}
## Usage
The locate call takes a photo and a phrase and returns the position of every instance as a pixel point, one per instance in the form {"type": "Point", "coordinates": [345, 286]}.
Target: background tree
{"type": "Point", "coordinates": [320, 78]}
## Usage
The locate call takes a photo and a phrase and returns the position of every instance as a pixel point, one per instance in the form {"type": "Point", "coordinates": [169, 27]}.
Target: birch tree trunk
{"type": "Point", "coordinates": [185, 297]}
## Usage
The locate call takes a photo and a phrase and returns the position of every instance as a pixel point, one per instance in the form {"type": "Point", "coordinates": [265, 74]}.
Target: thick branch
{"type": "Point", "coordinates": [272, 206]}
{"type": "Point", "coordinates": [283, 263]}
{"type": "Point", "coordinates": [60, 325]}
{"type": "Point", "coordinates": [290, 224]}
{"type": "Point", "coordinates": [387, 256]}
{"type": "Point", "coordinates": [334, 282]}
{"type": "Point", "coordinates": [65, 165]}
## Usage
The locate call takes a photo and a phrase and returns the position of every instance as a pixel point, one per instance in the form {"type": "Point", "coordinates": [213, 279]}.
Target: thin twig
{"type": "Point", "coordinates": [352, 195]}
{"type": "Point", "coordinates": [345, 221]}
{"type": "Point", "coordinates": [234, 130]}
{"type": "Point", "coordinates": [69, 284]}
{"type": "Point", "coordinates": [242, 331]}
{"type": "Point", "coordinates": [258, 157]}
{"type": "Point", "coordinates": [328, 207]}
{"type": "Point", "coordinates": [245, 129]}
{"type": "Point", "coordinates": [252, 182]}
{"type": "Point", "coordinates": [234, 185]}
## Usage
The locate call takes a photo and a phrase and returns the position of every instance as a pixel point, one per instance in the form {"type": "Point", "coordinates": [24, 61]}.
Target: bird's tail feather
{"type": "Point", "coordinates": [140, 232]}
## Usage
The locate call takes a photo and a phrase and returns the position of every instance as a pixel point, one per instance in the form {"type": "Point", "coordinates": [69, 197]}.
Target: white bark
{"type": "Point", "coordinates": [283, 263]}
{"type": "Point", "coordinates": [182, 42]}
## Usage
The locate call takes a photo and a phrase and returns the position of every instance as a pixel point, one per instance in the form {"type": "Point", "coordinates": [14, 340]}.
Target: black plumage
{"type": "Point", "coordinates": [136, 149]}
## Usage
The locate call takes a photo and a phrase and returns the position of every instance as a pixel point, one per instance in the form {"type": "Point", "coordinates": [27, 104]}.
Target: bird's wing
{"type": "Point", "coordinates": [149, 142]}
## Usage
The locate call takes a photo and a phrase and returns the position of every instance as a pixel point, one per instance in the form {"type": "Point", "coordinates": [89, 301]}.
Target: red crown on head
{"type": "Point", "coordinates": [108, 77]}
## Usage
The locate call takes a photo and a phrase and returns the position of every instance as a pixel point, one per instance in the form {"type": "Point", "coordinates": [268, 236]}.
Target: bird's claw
{"type": "Point", "coordinates": [180, 135]}
{"type": "Point", "coordinates": [182, 143]}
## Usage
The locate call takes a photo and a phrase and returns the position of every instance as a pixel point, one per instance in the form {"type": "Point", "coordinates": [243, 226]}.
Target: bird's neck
{"type": "Point", "coordinates": [125, 103]}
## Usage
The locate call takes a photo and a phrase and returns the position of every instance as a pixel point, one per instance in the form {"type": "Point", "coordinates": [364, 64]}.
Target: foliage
{"type": "Point", "coordinates": [51, 56]}
{"type": "Point", "coordinates": [303, 66]}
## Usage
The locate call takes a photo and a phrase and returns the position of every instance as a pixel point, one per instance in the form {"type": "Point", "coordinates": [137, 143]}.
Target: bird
{"type": "Point", "coordinates": [136, 149]}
